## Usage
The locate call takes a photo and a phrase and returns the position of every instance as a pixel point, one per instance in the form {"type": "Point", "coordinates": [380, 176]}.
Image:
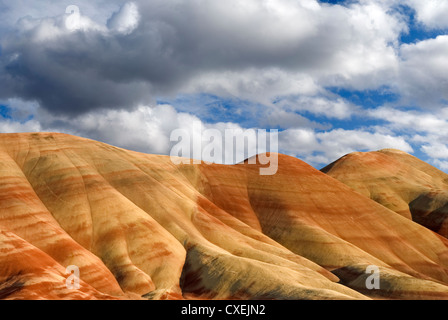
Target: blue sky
{"type": "Point", "coordinates": [334, 76]}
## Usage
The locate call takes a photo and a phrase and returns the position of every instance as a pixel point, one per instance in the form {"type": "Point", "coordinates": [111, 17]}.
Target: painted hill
{"type": "Point", "coordinates": [139, 226]}
{"type": "Point", "coordinates": [400, 182]}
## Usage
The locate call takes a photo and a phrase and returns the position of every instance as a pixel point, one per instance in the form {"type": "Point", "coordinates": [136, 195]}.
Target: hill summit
{"type": "Point", "coordinates": [140, 227]}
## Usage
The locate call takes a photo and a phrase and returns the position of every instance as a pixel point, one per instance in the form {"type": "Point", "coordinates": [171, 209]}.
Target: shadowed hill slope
{"type": "Point", "coordinates": [139, 226]}
{"type": "Point", "coordinates": [400, 182]}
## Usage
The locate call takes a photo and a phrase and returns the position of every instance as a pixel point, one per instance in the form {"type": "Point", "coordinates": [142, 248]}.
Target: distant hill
{"type": "Point", "coordinates": [400, 182]}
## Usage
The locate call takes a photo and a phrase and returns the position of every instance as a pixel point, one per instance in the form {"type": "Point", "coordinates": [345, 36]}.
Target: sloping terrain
{"type": "Point", "coordinates": [400, 182]}
{"type": "Point", "coordinates": [139, 226]}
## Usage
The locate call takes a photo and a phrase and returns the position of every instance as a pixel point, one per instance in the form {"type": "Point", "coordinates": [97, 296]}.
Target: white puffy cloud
{"type": "Point", "coordinates": [262, 86]}
{"type": "Point", "coordinates": [259, 50]}
{"type": "Point", "coordinates": [436, 150]}
{"type": "Point", "coordinates": [12, 11]}
{"type": "Point", "coordinates": [8, 126]}
{"type": "Point", "coordinates": [320, 148]}
{"type": "Point", "coordinates": [145, 129]}
{"type": "Point", "coordinates": [331, 108]}
{"type": "Point", "coordinates": [443, 165]}
{"type": "Point", "coordinates": [424, 72]}
{"type": "Point", "coordinates": [411, 120]}
{"type": "Point", "coordinates": [339, 141]}
{"type": "Point", "coordinates": [426, 130]}
{"type": "Point", "coordinates": [148, 129]}
{"type": "Point", "coordinates": [126, 20]}
{"type": "Point", "coordinates": [98, 78]}
{"type": "Point", "coordinates": [431, 13]}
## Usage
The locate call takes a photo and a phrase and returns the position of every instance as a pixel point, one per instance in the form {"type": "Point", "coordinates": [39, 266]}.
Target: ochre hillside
{"type": "Point", "coordinates": [400, 182]}
{"type": "Point", "coordinates": [140, 227]}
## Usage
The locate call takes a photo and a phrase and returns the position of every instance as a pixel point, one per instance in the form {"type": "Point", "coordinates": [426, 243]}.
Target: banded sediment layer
{"type": "Point", "coordinates": [140, 227]}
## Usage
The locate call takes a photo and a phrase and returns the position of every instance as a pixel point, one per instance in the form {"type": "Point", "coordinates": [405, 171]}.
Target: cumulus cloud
{"type": "Point", "coordinates": [99, 73]}
{"type": "Point", "coordinates": [431, 13]}
{"type": "Point", "coordinates": [321, 148]}
{"type": "Point", "coordinates": [336, 108]}
{"type": "Point", "coordinates": [160, 47]}
{"type": "Point", "coordinates": [8, 126]}
{"type": "Point", "coordinates": [424, 72]}
{"type": "Point", "coordinates": [411, 120]}
{"type": "Point", "coordinates": [443, 165]}
{"type": "Point", "coordinates": [126, 20]}
{"type": "Point", "coordinates": [426, 130]}
{"type": "Point", "coordinates": [11, 11]}
{"type": "Point", "coordinates": [148, 129]}
{"type": "Point", "coordinates": [144, 129]}
{"type": "Point", "coordinates": [436, 150]}
{"type": "Point", "coordinates": [340, 141]}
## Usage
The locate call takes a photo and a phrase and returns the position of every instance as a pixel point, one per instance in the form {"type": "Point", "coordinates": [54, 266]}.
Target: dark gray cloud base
{"type": "Point", "coordinates": [174, 42]}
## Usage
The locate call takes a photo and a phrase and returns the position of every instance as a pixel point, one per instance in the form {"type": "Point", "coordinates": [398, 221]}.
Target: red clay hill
{"type": "Point", "coordinates": [140, 227]}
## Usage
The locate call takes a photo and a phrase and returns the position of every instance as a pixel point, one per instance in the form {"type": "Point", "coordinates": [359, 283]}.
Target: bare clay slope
{"type": "Point", "coordinates": [131, 222]}
{"type": "Point", "coordinates": [325, 221]}
{"type": "Point", "coordinates": [400, 182]}
{"type": "Point", "coordinates": [139, 226]}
